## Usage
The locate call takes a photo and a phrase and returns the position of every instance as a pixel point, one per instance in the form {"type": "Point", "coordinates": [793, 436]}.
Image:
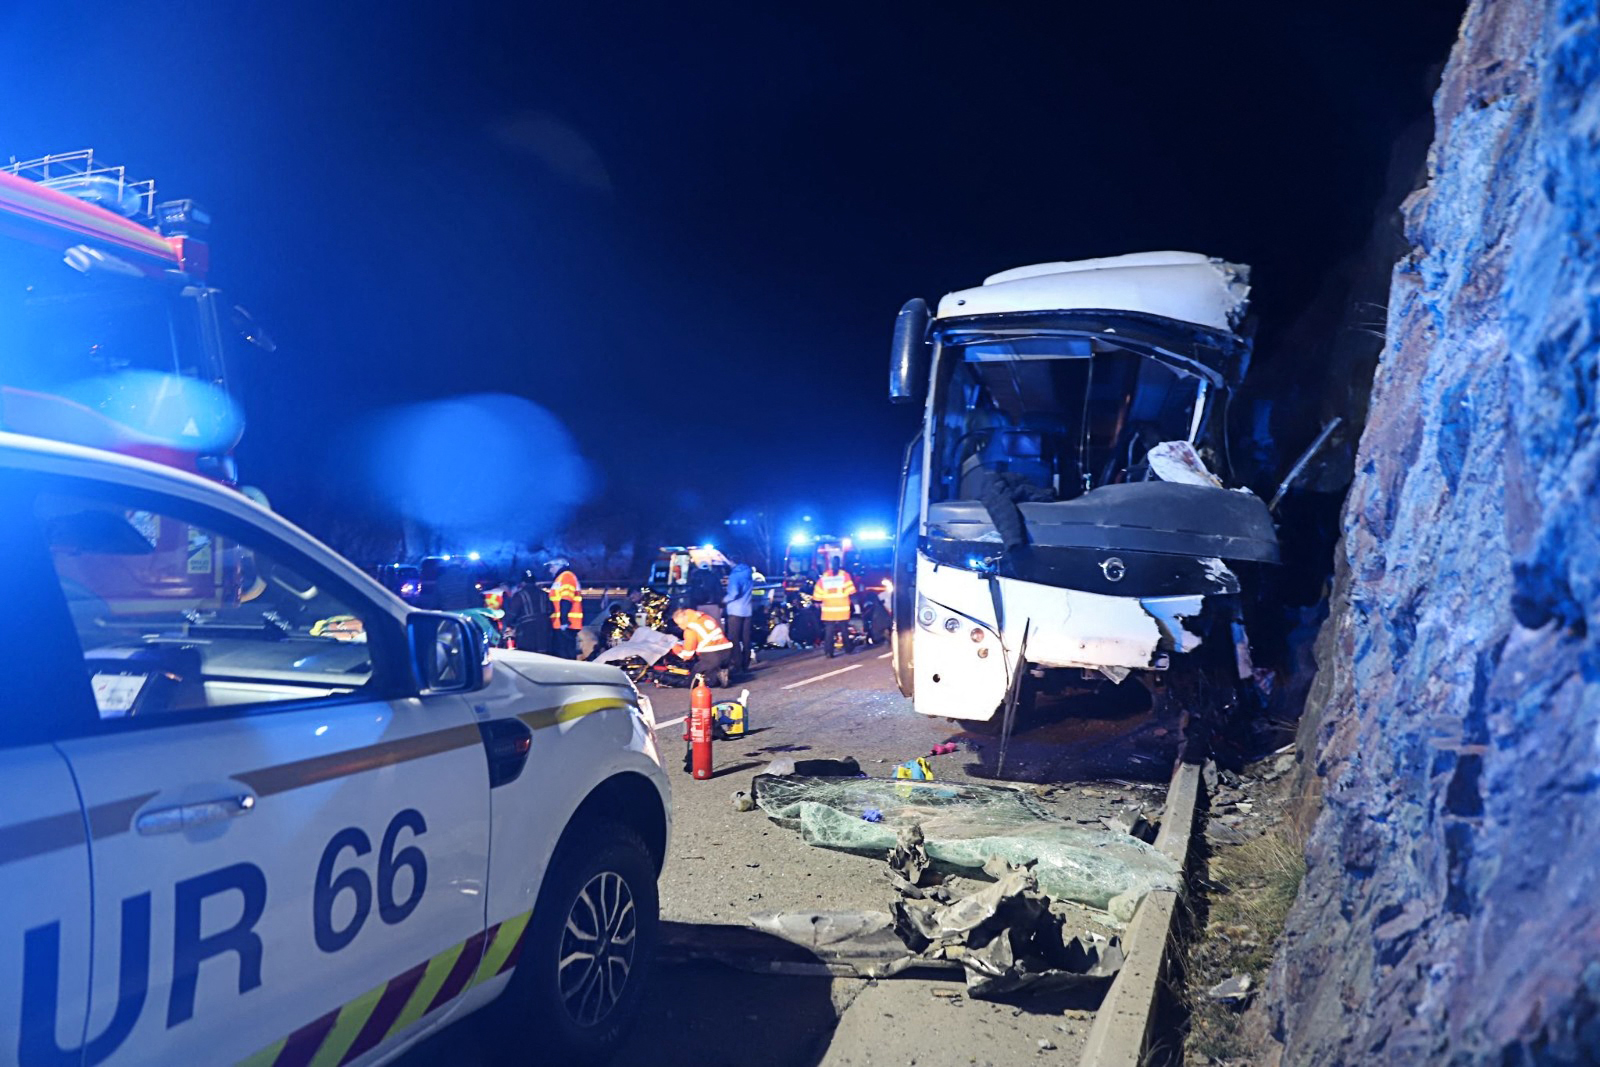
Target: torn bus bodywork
{"type": "Point", "coordinates": [1066, 492]}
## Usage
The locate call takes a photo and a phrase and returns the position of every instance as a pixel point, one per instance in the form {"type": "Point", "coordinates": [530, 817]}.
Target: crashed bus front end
{"type": "Point", "coordinates": [1063, 510]}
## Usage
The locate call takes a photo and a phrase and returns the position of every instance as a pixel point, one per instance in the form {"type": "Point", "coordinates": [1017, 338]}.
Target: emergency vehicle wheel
{"type": "Point", "coordinates": [591, 940]}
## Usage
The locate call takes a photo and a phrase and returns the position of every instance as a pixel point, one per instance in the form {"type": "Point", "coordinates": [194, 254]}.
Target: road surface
{"type": "Point", "coordinates": [1107, 751]}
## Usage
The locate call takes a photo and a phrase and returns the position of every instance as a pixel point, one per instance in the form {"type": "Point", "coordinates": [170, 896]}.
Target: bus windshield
{"type": "Point", "coordinates": [1063, 413]}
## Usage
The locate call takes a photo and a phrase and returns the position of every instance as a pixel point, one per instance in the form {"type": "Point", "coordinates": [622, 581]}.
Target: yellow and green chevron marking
{"type": "Point", "coordinates": [383, 1011]}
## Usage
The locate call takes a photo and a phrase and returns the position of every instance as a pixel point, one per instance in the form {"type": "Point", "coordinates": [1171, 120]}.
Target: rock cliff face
{"type": "Point", "coordinates": [1451, 912]}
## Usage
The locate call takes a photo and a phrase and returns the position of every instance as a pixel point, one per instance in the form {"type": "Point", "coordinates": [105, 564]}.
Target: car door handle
{"type": "Point", "coordinates": [189, 816]}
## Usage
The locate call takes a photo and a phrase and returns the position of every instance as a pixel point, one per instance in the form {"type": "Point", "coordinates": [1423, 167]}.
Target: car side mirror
{"type": "Point", "coordinates": [451, 653]}
{"type": "Point", "coordinates": [908, 355]}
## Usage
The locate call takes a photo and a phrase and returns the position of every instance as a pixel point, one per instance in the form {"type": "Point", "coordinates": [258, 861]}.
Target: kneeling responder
{"type": "Point", "coordinates": [704, 647]}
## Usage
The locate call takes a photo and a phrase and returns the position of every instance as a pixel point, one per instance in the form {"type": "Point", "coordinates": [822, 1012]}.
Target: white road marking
{"type": "Point", "coordinates": [670, 722]}
{"type": "Point", "coordinates": [820, 677]}
{"type": "Point", "coordinates": [886, 655]}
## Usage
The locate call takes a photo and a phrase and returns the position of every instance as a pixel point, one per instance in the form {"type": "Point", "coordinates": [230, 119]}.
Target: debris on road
{"type": "Point", "coordinates": [1004, 936]}
{"type": "Point", "coordinates": [1234, 990]}
{"type": "Point", "coordinates": [910, 869]}
{"type": "Point", "coordinates": [872, 815]}
{"type": "Point", "coordinates": [862, 934]}
{"type": "Point", "coordinates": [966, 826]}
{"type": "Point", "coordinates": [1133, 822]}
{"type": "Point", "coordinates": [918, 770]}
{"type": "Point", "coordinates": [742, 801]}
{"type": "Point", "coordinates": [944, 749]}
{"type": "Point", "coordinates": [813, 768]}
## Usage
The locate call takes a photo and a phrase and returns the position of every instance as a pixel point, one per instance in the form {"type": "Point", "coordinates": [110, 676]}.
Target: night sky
{"type": "Point", "coordinates": [663, 222]}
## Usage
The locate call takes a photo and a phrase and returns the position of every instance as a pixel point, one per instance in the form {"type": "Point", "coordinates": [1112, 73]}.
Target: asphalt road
{"type": "Point", "coordinates": [1107, 750]}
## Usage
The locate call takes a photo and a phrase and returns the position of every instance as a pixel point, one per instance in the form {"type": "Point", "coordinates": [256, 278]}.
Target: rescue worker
{"type": "Point", "coordinates": [705, 592]}
{"type": "Point", "coordinates": [869, 619]}
{"type": "Point", "coordinates": [705, 647]}
{"type": "Point", "coordinates": [736, 607]}
{"type": "Point", "coordinates": [832, 593]}
{"type": "Point", "coordinates": [566, 608]}
{"type": "Point", "coordinates": [526, 620]}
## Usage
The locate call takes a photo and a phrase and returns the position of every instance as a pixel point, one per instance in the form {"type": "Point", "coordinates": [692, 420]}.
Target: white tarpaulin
{"type": "Point", "coordinates": [649, 645]}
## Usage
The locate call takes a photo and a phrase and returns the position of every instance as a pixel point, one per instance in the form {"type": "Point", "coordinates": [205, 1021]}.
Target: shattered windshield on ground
{"type": "Point", "coordinates": [966, 827]}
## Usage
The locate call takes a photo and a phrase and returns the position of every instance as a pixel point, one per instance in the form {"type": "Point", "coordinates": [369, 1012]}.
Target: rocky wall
{"type": "Point", "coordinates": [1451, 909]}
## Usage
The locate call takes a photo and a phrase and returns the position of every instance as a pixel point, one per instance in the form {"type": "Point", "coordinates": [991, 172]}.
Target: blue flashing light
{"type": "Point", "coordinates": [473, 556]}
{"type": "Point", "coordinates": [445, 557]}
{"type": "Point", "coordinates": [801, 538]}
{"type": "Point", "coordinates": [710, 547]}
{"type": "Point", "coordinates": [876, 533]}
{"type": "Point", "coordinates": [805, 518]}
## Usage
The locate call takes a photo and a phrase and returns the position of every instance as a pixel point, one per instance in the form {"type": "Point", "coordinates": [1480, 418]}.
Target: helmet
{"type": "Point", "coordinates": [557, 563]}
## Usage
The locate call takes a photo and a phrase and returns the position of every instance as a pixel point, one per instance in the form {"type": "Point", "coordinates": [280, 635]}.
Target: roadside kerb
{"type": "Point", "coordinates": [1120, 1033]}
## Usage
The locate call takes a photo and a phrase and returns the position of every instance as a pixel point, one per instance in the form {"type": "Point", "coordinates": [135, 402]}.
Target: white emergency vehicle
{"type": "Point", "coordinates": [255, 809]}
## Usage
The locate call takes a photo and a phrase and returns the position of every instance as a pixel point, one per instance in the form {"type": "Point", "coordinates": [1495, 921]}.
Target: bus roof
{"type": "Point", "coordinates": [1186, 286]}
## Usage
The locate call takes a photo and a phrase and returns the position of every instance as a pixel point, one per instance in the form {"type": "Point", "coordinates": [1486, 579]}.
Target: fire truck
{"type": "Point", "coordinates": [868, 556]}
{"type": "Point", "coordinates": [112, 337]}
{"type": "Point", "coordinates": [110, 334]}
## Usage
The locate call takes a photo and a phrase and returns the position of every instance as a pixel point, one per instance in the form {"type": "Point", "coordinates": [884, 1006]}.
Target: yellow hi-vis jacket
{"type": "Point", "coordinates": [833, 592]}
{"type": "Point", "coordinates": [565, 590]}
{"type": "Point", "coordinates": [701, 633]}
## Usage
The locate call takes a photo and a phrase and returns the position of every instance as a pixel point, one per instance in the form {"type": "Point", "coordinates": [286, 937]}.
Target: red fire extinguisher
{"type": "Point", "coordinates": [699, 735]}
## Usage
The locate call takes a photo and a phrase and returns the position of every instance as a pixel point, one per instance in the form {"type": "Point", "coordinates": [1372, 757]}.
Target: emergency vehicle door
{"type": "Point", "coordinates": [295, 847]}
{"type": "Point", "coordinates": [44, 929]}
{"type": "Point", "coordinates": [44, 846]}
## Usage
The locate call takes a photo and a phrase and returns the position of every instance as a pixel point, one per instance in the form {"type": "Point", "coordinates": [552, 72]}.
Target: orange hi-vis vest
{"type": "Point", "coordinates": [565, 590]}
{"type": "Point", "coordinates": [833, 592]}
{"type": "Point", "coordinates": [701, 633]}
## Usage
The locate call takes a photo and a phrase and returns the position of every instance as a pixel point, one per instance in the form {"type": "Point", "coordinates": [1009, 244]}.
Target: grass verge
{"type": "Point", "coordinates": [1248, 889]}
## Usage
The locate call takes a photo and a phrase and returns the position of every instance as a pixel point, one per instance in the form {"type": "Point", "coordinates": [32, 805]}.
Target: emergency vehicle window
{"type": "Point", "coordinates": [174, 617]}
